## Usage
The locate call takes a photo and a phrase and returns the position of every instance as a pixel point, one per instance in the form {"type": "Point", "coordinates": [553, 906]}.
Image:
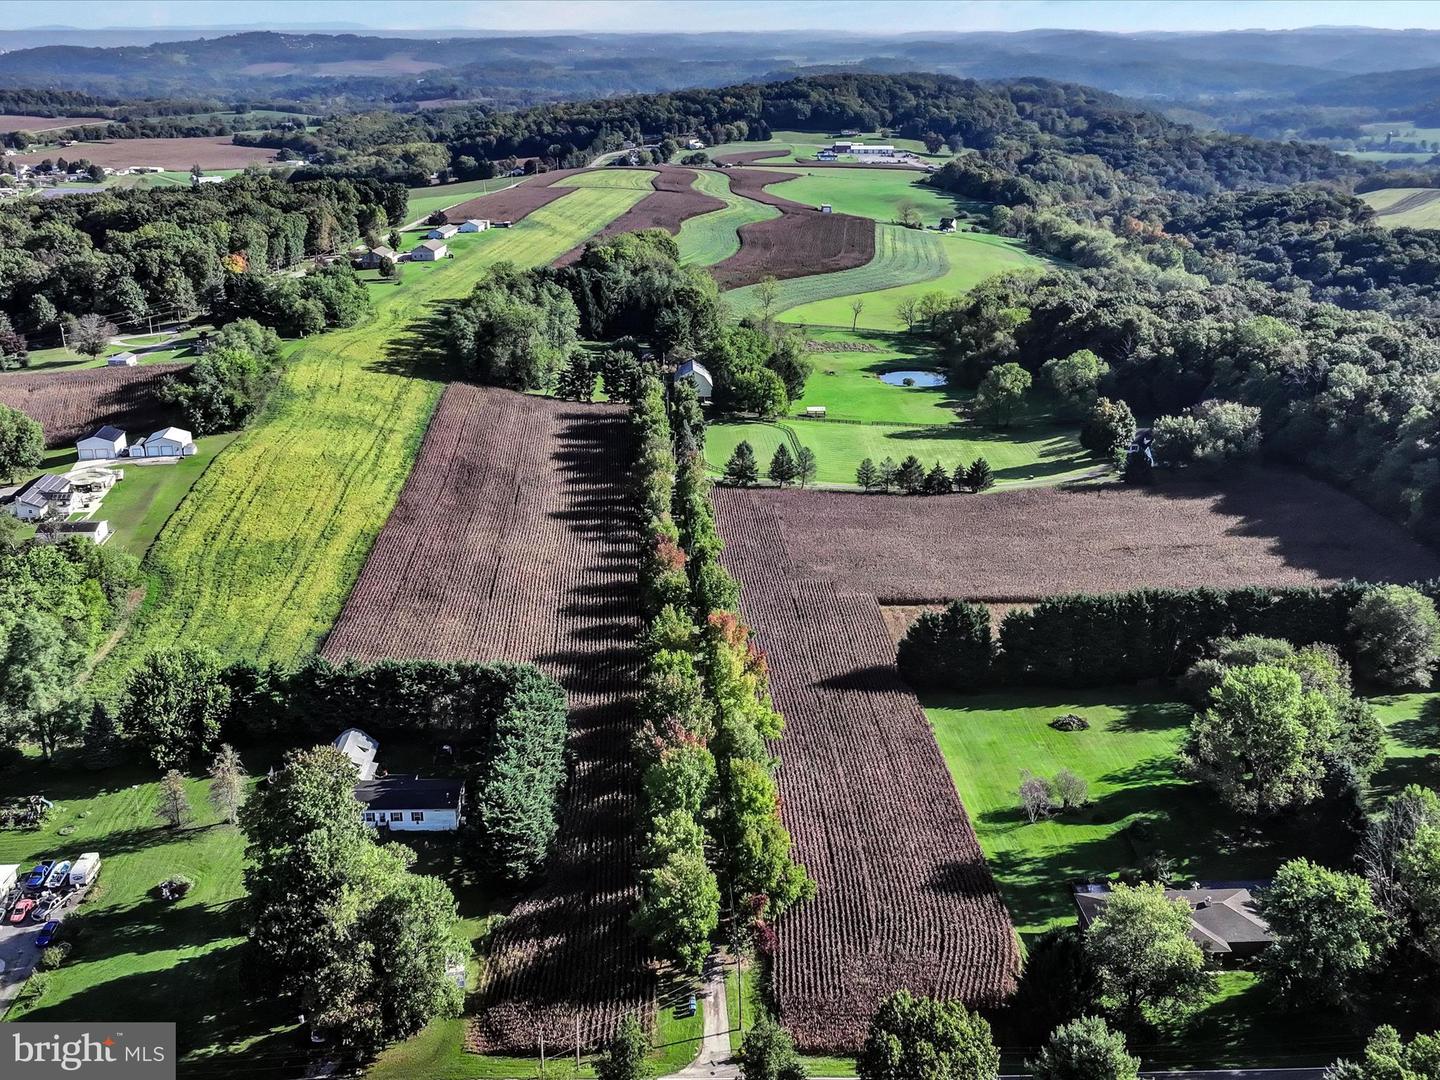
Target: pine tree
{"type": "Point", "coordinates": [867, 476]}
{"type": "Point", "coordinates": [577, 379]}
{"type": "Point", "coordinates": [960, 480]}
{"type": "Point", "coordinates": [980, 477]}
{"type": "Point", "coordinates": [937, 481]}
{"type": "Point", "coordinates": [174, 805]}
{"type": "Point", "coordinates": [911, 476]}
{"type": "Point", "coordinates": [783, 469]}
{"type": "Point", "coordinates": [889, 474]}
{"type": "Point", "coordinates": [227, 784]}
{"type": "Point", "coordinates": [805, 465]}
{"type": "Point", "coordinates": [100, 745]}
{"type": "Point", "coordinates": [742, 469]}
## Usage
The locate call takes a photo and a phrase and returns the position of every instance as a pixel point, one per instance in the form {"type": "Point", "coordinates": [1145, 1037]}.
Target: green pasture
{"type": "Point", "coordinates": [626, 179]}
{"type": "Point", "coordinates": [258, 560]}
{"type": "Point", "coordinates": [177, 347]}
{"type": "Point", "coordinates": [874, 193]}
{"type": "Point", "coordinates": [712, 238]}
{"type": "Point", "coordinates": [1415, 208]}
{"type": "Point", "coordinates": [424, 201]}
{"type": "Point", "coordinates": [848, 383]}
{"type": "Point", "coordinates": [970, 258]}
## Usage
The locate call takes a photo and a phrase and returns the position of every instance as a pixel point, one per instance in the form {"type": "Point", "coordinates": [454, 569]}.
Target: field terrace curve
{"type": "Point", "coordinates": [674, 201]}
{"type": "Point", "coordinates": [512, 540]}
{"type": "Point", "coordinates": [905, 898]}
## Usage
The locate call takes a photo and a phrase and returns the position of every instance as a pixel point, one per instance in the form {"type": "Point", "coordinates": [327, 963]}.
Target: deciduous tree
{"type": "Point", "coordinates": [227, 783]}
{"type": "Point", "coordinates": [1145, 961]}
{"type": "Point", "coordinates": [1396, 634]}
{"type": "Point", "coordinates": [920, 1038]}
{"type": "Point", "coordinates": [173, 806]}
{"type": "Point", "coordinates": [1002, 393]}
{"type": "Point", "coordinates": [1085, 1049]}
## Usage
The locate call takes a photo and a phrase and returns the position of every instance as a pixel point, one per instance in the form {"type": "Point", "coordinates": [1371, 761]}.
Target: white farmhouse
{"type": "Point", "coordinates": [105, 444]}
{"type": "Point", "coordinates": [442, 232]}
{"type": "Point", "coordinates": [699, 377]}
{"type": "Point", "coordinates": [42, 497]}
{"type": "Point", "coordinates": [167, 442]}
{"type": "Point", "coordinates": [411, 803]}
{"type": "Point", "coordinates": [360, 749]}
{"type": "Point", "coordinates": [97, 532]}
{"type": "Point", "coordinates": [474, 225]}
{"type": "Point", "coordinates": [122, 359]}
{"type": "Point", "coordinates": [429, 251]}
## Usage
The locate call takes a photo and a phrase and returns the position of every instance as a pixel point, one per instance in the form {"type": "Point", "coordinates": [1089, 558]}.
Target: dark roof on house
{"type": "Point", "coordinates": [80, 527]}
{"type": "Point", "coordinates": [35, 492]}
{"type": "Point", "coordinates": [108, 433]}
{"type": "Point", "coordinates": [1221, 916]}
{"type": "Point", "coordinates": [409, 793]}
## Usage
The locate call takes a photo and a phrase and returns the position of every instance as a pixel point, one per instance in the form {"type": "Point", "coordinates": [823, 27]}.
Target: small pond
{"type": "Point", "coordinates": [915, 378]}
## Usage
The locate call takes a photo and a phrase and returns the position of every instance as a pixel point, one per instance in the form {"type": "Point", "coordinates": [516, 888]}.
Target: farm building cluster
{"type": "Point", "coordinates": [62, 505]}
{"type": "Point", "coordinates": [431, 249]}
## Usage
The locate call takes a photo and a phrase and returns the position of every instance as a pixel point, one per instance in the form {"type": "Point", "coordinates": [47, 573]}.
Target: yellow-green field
{"type": "Point", "coordinates": [627, 179]}
{"type": "Point", "coordinates": [261, 555]}
{"type": "Point", "coordinates": [1416, 208]}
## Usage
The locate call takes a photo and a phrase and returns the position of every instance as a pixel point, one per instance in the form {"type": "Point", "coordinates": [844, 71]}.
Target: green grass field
{"type": "Point", "coordinates": [712, 238]}
{"type": "Point", "coordinates": [1128, 758]}
{"type": "Point", "coordinates": [1415, 208]}
{"type": "Point", "coordinates": [848, 383]}
{"type": "Point", "coordinates": [62, 359]}
{"type": "Point", "coordinates": [425, 201]}
{"type": "Point", "coordinates": [970, 259]}
{"type": "Point", "coordinates": [140, 958]}
{"type": "Point", "coordinates": [874, 193]}
{"type": "Point", "coordinates": [627, 179]}
{"type": "Point", "coordinates": [259, 558]}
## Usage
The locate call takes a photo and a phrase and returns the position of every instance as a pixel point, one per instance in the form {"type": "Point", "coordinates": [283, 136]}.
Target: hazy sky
{"type": "Point", "coordinates": [866, 16]}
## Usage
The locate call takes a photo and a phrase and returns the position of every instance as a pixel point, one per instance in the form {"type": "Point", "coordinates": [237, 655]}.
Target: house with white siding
{"type": "Point", "coordinates": [411, 803]}
{"type": "Point", "coordinates": [474, 225]}
{"type": "Point", "coordinates": [429, 251]}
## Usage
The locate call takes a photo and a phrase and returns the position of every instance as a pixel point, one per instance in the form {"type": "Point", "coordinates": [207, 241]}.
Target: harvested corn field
{"type": "Point", "coordinates": [71, 404]}
{"type": "Point", "coordinates": [673, 201]}
{"type": "Point", "coordinates": [510, 542]}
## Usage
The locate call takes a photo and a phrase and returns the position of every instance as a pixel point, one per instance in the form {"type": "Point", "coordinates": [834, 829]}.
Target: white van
{"type": "Point", "coordinates": [85, 868]}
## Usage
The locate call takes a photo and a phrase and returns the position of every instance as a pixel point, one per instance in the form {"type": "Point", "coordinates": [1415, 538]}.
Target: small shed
{"type": "Point", "coordinates": [411, 803]}
{"type": "Point", "coordinates": [360, 748]}
{"type": "Point", "coordinates": [826, 208]}
{"type": "Point", "coordinates": [947, 224]}
{"type": "Point", "coordinates": [698, 376]}
{"type": "Point", "coordinates": [371, 258]}
{"type": "Point", "coordinates": [474, 225]}
{"type": "Point", "coordinates": [430, 251]}
{"type": "Point", "coordinates": [167, 442]}
{"type": "Point", "coordinates": [442, 232]}
{"type": "Point", "coordinates": [122, 359]}
{"type": "Point", "coordinates": [105, 444]}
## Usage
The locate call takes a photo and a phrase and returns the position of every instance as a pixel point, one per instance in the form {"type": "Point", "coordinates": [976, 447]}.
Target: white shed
{"type": "Point", "coordinates": [122, 359]}
{"type": "Point", "coordinates": [105, 444]}
{"type": "Point", "coordinates": [474, 225]}
{"type": "Point", "coordinates": [411, 803]}
{"type": "Point", "coordinates": [360, 749]}
{"type": "Point", "coordinates": [167, 442]}
{"type": "Point", "coordinates": [699, 377]}
{"type": "Point", "coordinates": [429, 251]}
{"type": "Point", "coordinates": [442, 232]}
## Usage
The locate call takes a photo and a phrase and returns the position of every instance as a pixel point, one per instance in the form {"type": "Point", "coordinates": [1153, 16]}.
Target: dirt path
{"type": "Point", "coordinates": [714, 1057]}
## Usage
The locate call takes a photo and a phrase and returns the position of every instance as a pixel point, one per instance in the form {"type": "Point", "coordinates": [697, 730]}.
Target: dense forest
{"type": "Point", "coordinates": [173, 253]}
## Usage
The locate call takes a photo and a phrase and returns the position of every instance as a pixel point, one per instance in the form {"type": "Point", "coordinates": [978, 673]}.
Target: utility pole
{"type": "Point", "coordinates": [542, 1053]}
{"type": "Point", "coordinates": [577, 1040]}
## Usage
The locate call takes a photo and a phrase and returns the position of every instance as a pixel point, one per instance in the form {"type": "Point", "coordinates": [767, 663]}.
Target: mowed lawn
{"type": "Point", "coordinates": [162, 348]}
{"type": "Point", "coordinates": [712, 238]}
{"type": "Point", "coordinates": [879, 194]}
{"type": "Point", "coordinates": [139, 957]}
{"type": "Point", "coordinates": [1140, 806]}
{"type": "Point", "coordinates": [259, 558]}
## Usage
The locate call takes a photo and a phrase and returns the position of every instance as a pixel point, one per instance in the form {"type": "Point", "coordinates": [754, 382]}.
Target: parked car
{"type": "Point", "coordinates": [59, 875]}
{"type": "Point", "coordinates": [47, 907]}
{"type": "Point", "coordinates": [47, 934]}
{"type": "Point", "coordinates": [37, 877]}
{"type": "Point", "coordinates": [21, 909]}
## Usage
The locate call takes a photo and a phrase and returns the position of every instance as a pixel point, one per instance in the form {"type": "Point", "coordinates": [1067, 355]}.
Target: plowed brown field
{"type": "Point", "coordinates": [674, 201]}
{"type": "Point", "coordinates": [207, 151]}
{"type": "Point", "coordinates": [511, 541]}
{"type": "Point", "coordinates": [513, 203]}
{"type": "Point", "coordinates": [904, 896]}
{"type": "Point", "coordinates": [71, 404]}
{"type": "Point", "coordinates": [800, 242]}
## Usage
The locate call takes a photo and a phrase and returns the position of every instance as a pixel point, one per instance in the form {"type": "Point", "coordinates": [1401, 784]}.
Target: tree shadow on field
{"type": "Point", "coordinates": [419, 350]}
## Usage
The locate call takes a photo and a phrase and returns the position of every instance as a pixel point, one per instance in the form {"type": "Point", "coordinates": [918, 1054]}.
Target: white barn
{"type": "Point", "coordinates": [360, 748]}
{"type": "Point", "coordinates": [474, 225]}
{"type": "Point", "coordinates": [105, 444]}
{"type": "Point", "coordinates": [442, 232]}
{"type": "Point", "coordinates": [699, 376]}
{"type": "Point", "coordinates": [167, 442]}
{"type": "Point", "coordinates": [429, 251]}
{"type": "Point", "coordinates": [411, 803]}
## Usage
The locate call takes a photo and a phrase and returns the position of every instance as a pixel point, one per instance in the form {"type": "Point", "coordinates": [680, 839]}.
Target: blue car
{"type": "Point", "coordinates": [47, 933]}
{"type": "Point", "coordinates": [37, 877]}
